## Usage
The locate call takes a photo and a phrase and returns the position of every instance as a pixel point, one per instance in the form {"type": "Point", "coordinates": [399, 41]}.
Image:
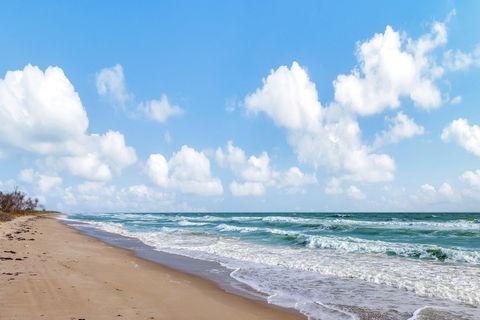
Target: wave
{"type": "Point", "coordinates": [473, 225]}
{"type": "Point", "coordinates": [191, 223]}
{"type": "Point", "coordinates": [356, 245]}
{"type": "Point", "coordinates": [228, 228]}
{"type": "Point", "coordinates": [425, 279]}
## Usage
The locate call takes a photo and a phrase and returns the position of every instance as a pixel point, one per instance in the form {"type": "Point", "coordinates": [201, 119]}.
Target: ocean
{"type": "Point", "coordinates": [327, 265]}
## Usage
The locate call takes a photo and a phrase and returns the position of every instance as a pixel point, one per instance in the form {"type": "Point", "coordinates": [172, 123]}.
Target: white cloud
{"type": "Point", "coordinates": [247, 189]}
{"type": "Point", "coordinates": [446, 190]}
{"type": "Point", "coordinates": [27, 175]}
{"type": "Point", "coordinates": [258, 168]}
{"type": "Point", "coordinates": [42, 113]}
{"type": "Point", "coordinates": [157, 169]}
{"type": "Point", "coordinates": [392, 66]}
{"type": "Point", "coordinates": [288, 97]}
{"type": "Point", "coordinates": [458, 60]}
{"type": "Point", "coordinates": [319, 136]}
{"type": "Point", "coordinates": [111, 84]}
{"type": "Point", "coordinates": [400, 127]}
{"type": "Point", "coordinates": [140, 192]}
{"type": "Point", "coordinates": [472, 178]}
{"type": "Point", "coordinates": [113, 149]}
{"type": "Point", "coordinates": [88, 166]}
{"type": "Point", "coordinates": [187, 171]}
{"type": "Point", "coordinates": [190, 172]}
{"type": "Point", "coordinates": [295, 178]}
{"type": "Point", "coordinates": [257, 173]}
{"type": "Point", "coordinates": [160, 110]}
{"type": "Point", "coordinates": [233, 157]}
{"type": "Point", "coordinates": [100, 154]}
{"type": "Point", "coordinates": [456, 100]}
{"type": "Point", "coordinates": [460, 132]}
{"type": "Point", "coordinates": [100, 196]}
{"type": "Point", "coordinates": [95, 188]}
{"type": "Point", "coordinates": [43, 182]}
{"type": "Point", "coordinates": [355, 193]}
{"type": "Point", "coordinates": [334, 186]}
{"type": "Point", "coordinates": [253, 169]}
{"type": "Point", "coordinates": [430, 195]}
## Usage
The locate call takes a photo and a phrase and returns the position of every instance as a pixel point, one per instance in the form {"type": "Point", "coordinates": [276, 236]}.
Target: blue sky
{"type": "Point", "coordinates": [233, 106]}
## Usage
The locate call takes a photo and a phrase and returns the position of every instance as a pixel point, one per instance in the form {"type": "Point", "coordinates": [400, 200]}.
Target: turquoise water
{"type": "Point", "coordinates": [434, 258]}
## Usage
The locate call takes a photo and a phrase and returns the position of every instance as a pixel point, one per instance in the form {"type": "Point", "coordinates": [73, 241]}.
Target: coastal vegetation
{"type": "Point", "coordinates": [17, 203]}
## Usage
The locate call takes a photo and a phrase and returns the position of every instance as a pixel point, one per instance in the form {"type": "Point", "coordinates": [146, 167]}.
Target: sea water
{"type": "Point", "coordinates": [329, 265]}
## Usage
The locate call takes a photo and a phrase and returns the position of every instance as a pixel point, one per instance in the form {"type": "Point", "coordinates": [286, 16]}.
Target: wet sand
{"type": "Point", "coordinates": [51, 271]}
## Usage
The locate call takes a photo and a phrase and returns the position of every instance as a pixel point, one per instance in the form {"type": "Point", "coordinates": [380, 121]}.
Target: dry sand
{"type": "Point", "coordinates": [50, 271]}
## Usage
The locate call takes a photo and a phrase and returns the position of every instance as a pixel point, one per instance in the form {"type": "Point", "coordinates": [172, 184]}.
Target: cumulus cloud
{"type": "Point", "coordinates": [400, 127]}
{"type": "Point", "coordinates": [111, 84]}
{"type": "Point", "coordinates": [100, 155]}
{"type": "Point", "coordinates": [320, 136]}
{"type": "Point", "coordinates": [157, 169]}
{"type": "Point", "coordinates": [444, 193]}
{"type": "Point", "coordinates": [253, 169]}
{"type": "Point", "coordinates": [465, 135]}
{"type": "Point", "coordinates": [472, 178]}
{"type": "Point", "coordinates": [233, 157]}
{"type": "Point", "coordinates": [258, 168]}
{"type": "Point", "coordinates": [295, 178]}
{"type": "Point", "coordinates": [288, 97]}
{"type": "Point", "coordinates": [187, 170]}
{"type": "Point", "coordinates": [391, 67]}
{"type": "Point", "coordinates": [43, 182]}
{"type": "Point", "coordinates": [160, 110]}
{"type": "Point", "coordinates": [355, 193]}
{"type": "Point", "coordinates": [256, 172]}
{"type": "Point", "coordinates": [42, 114]}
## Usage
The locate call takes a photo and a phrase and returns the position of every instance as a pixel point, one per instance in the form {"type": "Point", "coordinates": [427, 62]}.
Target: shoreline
{"type": "Point", "coordinates": [209, 270]}
{"type": "Point", "coordinates": [57, 272]}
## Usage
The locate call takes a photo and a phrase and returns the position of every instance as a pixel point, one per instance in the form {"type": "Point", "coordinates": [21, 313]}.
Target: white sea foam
{"type": "Point", "coordinates": [191, 223]}
{"type": "Point", "coordinates": [342, 220]}
{"type": "Point", "coordinates": [357, 245]}
{"type": "Point", "coordinates": [393, 224]}
{"type": "Point", "coordinates": [227, 228]}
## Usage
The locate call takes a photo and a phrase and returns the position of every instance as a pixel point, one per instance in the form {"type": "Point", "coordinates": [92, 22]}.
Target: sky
{"type": "Point", "coordinates": [241, 105]}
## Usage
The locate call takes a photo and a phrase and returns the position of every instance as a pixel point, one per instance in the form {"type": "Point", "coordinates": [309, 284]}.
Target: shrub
{"type": "Point", "coordinates": [17, 202]}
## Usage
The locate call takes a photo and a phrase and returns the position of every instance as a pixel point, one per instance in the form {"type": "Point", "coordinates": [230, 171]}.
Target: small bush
{"type": "Point", "coordinates": [17, 202]}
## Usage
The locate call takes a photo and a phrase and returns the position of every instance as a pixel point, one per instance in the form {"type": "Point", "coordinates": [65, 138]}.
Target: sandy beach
{"type": "Point", "coordinates": [50, 271]}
